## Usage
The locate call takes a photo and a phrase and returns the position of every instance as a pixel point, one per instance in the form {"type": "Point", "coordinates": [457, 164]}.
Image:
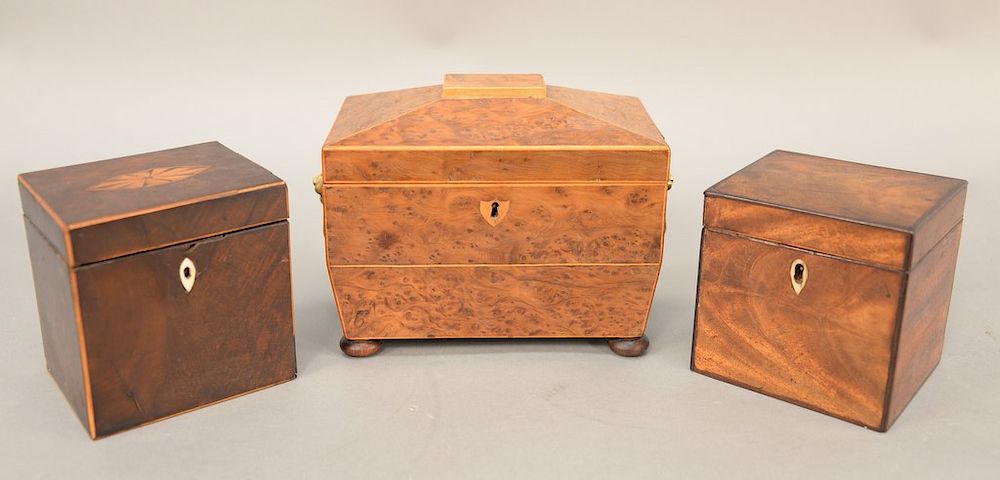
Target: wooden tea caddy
{"type": "Point", "coordinates": [827, 283]}
{"type": "Point", "coordinates": [163, 282]}
{"type": "Point", "coordinates": [494, 206]}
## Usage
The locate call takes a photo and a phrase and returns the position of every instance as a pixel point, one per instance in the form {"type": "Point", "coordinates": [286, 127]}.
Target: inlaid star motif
{"type": "Point", "coordinates": [149, 177]}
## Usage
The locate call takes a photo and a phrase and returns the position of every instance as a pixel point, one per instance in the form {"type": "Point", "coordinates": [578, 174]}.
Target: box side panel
{"type": "Point", "coordinates": [494, 302]}
{"type": "Point", "coordinates": [156, 350]}
{"type": "Point", "coordinates": [182, 223]}
{"type": "Point", "coordinates": [859, 242]}
{"type": "Point", "coordinates": [44, 220]}
{"type": "Point", "coordinates": [56, 311]}
{"type": "Point", "coordinates": [494, 224]}
{"type": "Point", "coordinates": [425, 166]}
{"type": "Point", "coordinates": [940, 222]}
{"type": "Point", "coordinates": [925, 312]}
{"type": "Point", "coordinates": [826, 348]}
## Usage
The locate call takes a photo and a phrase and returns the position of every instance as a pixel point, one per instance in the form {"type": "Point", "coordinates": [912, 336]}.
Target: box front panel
{"type": "Point", "coordinates": [156, 349]}
{"type": "Point", "coordinates": [494, 224]}
{"type": "Point", "coordinates": [826, 347]}
{"type": "Point", "coordinates": [170, 226]}
{"type": "Point", "coordinates": [494, 302]}
{"type": "Point", "coordinates": [864, 243]}
{"type": "Point", "coordinates": [432, 166]}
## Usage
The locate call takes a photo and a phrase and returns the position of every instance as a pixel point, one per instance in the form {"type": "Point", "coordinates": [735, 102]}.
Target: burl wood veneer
{"type": "Point", "coordinates": [494, 206]}
{"type": "Point", "coordinates": [827, 283]}
{"type": "Point", "coordinates": [163, 282]}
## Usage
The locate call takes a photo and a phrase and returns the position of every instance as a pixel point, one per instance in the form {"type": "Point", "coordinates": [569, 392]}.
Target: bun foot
{"type": "Point", "coordinates": [360, 348]}
{"type": "Point", "coordinates": [629, 347]}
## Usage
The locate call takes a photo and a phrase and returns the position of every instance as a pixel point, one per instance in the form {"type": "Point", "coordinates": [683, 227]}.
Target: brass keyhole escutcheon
{"type": "Point", "coordinates": [493, 211]}
{"type": "Point", "coordinates": [800, 274]}
{"type": "Point", "coordinates": [188, 273]}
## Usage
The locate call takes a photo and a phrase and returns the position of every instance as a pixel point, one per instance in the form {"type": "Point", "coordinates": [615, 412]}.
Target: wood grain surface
{"type": "Point", "coordinates": [867, 328]}
{"type": "Point", "coordinates": [502, 85]}
{"type": "Point", "coordinates": [827, 348]}
{"type": "Point", "coordinates": [361, 112]}
{"type": "Point", "coordinates": [494, 302]}
{"type": "Point", "coordinates": [494, 121]}
{"type": "Point", "coordinates": [155, 350]}
{"type": "Point", "coordinates": [557, 116]}
{"type": "Point", "coordinates": [100, 210]}
{"type": "Point", "coordinates": [160, 228]}
{"type": "Point", "coordinates": [882, 197]}
{"type": "Point", "coordinates": [856, 241]}
{"type": "Point", "coordinates": [61, 336]}
{"type": "Point", "coordinates": [45, 220]}
{"type": "Point", "coordinates": [501, 208]}
{"type": "Point", "coordinates": [405, 225]}
{"type": "Point", "coordinates": [922, 327]}
{"type": "Point", "coordinates": [621, 110]}
{"type": "Point", "coordinates": [937, 223]}
{"type": "Point", "coordinates": [437, 166]}
{"type": "Point", "coordinates": [852, 191]}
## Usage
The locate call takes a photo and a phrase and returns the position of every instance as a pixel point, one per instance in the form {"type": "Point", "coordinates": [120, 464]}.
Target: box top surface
{"type": "Point", "coordinates": [482, 111]}
{"type": "Point", "coordinates": [850, 191]}
{"type": "Point", "coordinates": [154, 191]}
{"type": "Point", "coordinates": [921, 207]}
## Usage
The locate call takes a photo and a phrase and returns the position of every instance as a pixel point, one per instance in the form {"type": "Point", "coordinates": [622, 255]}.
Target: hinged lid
{"type": "Point", "coordinates": [101, 210]}
{"type": "Point", "coordinates": [492, 113]}
{"type": "Point", "coordinates": [874, 215]}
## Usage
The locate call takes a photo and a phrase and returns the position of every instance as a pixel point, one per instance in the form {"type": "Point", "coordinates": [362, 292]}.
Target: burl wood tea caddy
{"type": "Point", "coordinates": [494, 206]}
{"type": "Point", "coordinates": [163, 282]}
{"type": "Point", "coordinates": [827, 283]}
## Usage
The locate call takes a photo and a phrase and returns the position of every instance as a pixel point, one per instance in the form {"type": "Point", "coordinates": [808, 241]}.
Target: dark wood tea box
{"type": "Point", "coordinates": [827, 283]}
{"type": "Point", "coordinates": [494, 206]}
{"type": "Point", "coordinates": [162, 280]}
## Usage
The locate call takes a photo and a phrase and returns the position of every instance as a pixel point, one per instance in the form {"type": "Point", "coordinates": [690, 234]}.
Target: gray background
{"type": "Point", "coordinates": [906, 84]}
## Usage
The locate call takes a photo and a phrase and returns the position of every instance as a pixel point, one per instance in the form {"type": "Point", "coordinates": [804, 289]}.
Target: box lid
{"type": "Point", "coordinates": [881, 216]}
{"type": "Point", "coordinates": [512, 112]}
{"type": "Point", "coordinates": [100, 210]}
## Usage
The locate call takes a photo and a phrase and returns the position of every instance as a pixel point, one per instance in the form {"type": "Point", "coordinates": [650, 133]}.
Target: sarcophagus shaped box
{"type": "Point", "coordinates": [494, 206]}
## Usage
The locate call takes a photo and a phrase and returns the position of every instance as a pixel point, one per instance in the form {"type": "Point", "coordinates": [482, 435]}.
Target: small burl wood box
{"type": "Point", "coordinates": [827, 283]}
{"type": "Point", "coordinates": [163, 282]}
{"type": "Point", "coordinates": [494, 206]}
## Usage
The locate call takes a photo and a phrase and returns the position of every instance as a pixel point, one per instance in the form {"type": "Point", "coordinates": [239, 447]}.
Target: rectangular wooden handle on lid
{"type": "Point", "coordinates": [510, 85]}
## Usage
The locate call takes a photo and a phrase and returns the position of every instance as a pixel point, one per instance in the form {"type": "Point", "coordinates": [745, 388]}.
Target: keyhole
{"type": "Point", "coordinates": [799, 275]}
{"type": "Point", "coordinates": [495, 212]}
{"type": "Point", "coordinates": [187, 273]}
